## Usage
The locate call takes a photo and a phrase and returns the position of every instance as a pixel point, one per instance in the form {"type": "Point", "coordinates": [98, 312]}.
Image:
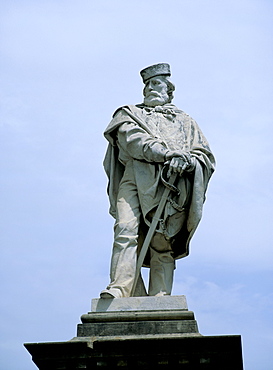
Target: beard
{"type": "Point", "coordinates": [153, 99]}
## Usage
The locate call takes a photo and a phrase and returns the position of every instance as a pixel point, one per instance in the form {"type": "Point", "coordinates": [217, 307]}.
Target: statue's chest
{"type": "Point", "coordinates": [167, 128]}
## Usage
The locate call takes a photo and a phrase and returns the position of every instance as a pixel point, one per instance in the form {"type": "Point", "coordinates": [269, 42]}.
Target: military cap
{"type": "Point", "coordinates": [155, 70]}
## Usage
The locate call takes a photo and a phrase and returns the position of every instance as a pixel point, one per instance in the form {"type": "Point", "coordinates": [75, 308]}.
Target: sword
{"type": "Point", "coordinates": [151, 231]}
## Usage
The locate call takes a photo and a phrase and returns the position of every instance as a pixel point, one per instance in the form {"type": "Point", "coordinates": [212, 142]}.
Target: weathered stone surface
{"type": "Point", "coordinates": [137, 316]}
{"type": "Point", "coordinates": [137, 328]}
{"type": "Point", "coordinates": [140, 304]}
{"type": "Point", "coordinates": [184, 352]}
{"type": "Point", "coordinates": [140, 339]}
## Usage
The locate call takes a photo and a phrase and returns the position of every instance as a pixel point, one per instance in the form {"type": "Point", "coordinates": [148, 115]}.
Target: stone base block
{"type": "Point", "coordinates": [138, 316]}
{"type": "Point", "coordinates": [136, 328]}
{"type": "Point", "coordinates": [198, 353]}
{"type": "Point", "coordinates": [139, 333]}
{"type": "Point", "coordinates": [136, 304]}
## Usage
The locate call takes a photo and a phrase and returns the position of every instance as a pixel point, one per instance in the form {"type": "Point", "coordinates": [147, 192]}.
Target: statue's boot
{"type": "Point", "coordinates": [110, 293]}
{"type": "Point", "coordinates": [162, 267]}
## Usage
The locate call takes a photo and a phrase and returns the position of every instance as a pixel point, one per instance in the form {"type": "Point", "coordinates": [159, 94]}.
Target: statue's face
{"type": "Point", "coordinates": [155, 92]}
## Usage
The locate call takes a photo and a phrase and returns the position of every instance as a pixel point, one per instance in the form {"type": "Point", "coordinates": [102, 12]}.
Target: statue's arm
{"type": "Point", "coordinates": [138, 144]}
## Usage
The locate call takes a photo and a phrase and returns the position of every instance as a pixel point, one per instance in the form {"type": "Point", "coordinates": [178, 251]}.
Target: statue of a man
{"type": "Point", "coordinates": [147, 146]}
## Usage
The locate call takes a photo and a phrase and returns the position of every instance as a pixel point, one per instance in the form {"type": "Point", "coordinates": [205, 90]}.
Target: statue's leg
{"type": "Point", "coordinates": [124, 254]}
{"type": "Point", "coordinates": [162, 267]}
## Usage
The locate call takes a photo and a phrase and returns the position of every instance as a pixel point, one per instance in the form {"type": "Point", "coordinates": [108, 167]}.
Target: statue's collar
{"type": "Point", "coordinates": [168, 110]}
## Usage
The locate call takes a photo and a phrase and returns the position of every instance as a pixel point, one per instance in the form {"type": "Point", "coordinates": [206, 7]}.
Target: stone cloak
{"type": "Point", "coordinates": [178, 226]}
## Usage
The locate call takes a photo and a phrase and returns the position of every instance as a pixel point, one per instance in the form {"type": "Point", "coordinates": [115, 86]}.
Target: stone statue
{"type": "Point", "coordinates": [148, 144]}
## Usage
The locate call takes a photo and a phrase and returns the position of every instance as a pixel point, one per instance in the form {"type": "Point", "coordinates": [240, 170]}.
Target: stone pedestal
{"type": "Point", "coordinates": [139, 333]}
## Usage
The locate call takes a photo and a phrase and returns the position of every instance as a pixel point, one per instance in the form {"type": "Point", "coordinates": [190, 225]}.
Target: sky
{"type": "Point", "coordinates": [65, 67]}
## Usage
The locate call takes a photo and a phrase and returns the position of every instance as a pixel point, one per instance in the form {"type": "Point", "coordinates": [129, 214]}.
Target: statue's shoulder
{"type": "Point", "coordinates": [133, 108]}
{"type": "Point", "coordinates": [118, 118]}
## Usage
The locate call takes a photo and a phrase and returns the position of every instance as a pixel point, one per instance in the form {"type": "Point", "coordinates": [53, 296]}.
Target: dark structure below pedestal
{"type": "Point", "coordinates": [139, 333]}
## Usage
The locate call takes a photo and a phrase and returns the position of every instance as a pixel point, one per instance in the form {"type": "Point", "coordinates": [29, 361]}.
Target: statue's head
{"type": "Point", "coordinates": [158, 89]}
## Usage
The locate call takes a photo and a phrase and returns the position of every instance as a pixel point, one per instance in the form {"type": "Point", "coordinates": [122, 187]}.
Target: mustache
{"type": "Point", "coordinates": [153, 93]}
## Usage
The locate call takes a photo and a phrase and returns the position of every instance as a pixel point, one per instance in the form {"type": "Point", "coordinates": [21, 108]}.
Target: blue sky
{"type": "Point", "coordinates": [65, 67]}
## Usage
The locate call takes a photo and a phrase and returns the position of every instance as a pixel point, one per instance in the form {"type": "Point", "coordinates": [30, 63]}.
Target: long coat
{"type": "Point", "coordinates": [167, 128]}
